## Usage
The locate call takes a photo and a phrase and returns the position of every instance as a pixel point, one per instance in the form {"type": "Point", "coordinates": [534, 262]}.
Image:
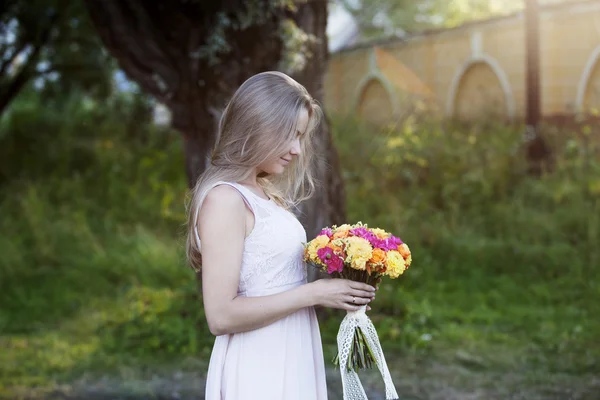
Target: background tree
{"type": "Point", "coordinates": [192, 55]}
{"type": "Point", "coordinates": [384, 18]}
{"type": "Point", "coordinates": [52, 43]}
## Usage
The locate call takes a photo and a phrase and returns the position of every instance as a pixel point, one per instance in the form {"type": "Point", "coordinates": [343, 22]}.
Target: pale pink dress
{"type": "Point", "coordinates": [284, 360]}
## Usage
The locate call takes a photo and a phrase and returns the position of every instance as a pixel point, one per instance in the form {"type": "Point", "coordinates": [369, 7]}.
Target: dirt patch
{"type": "Point", "coordinates": [415, 379]}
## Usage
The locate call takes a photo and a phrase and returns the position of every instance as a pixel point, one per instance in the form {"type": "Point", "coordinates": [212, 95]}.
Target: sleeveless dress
{"type": "Point", "coordinates": [284, 360]}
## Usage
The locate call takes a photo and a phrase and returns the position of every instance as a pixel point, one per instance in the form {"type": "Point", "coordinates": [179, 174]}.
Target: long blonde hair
{"type": "Point", "coordinates": [257, 125]}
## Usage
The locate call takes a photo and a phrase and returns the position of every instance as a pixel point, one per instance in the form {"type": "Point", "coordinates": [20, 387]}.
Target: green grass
{"type": "Point", "coordinates": [93, 280]}
{"type": "Point", "coordinates": [92, 274]}
{"type": "Point", "coordinates": [505, 266]}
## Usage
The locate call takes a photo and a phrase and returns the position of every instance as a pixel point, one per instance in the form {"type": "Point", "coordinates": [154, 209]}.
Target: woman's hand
{"type": "Point", "coordinates": [343, 294]}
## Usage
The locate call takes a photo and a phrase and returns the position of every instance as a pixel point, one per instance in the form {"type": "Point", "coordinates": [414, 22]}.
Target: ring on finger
{"type": "Point", "coordinates": [353, 300]}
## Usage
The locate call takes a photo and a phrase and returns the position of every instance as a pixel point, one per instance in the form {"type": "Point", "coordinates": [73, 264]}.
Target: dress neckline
{"type": "Point", "coordinates": [267, 201]}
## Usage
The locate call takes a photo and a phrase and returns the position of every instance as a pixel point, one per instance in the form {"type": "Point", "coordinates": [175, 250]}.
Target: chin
{"type": "Point", "coordinates": [276, 171]}
{"type": "Point", "coordinates": [273, 170]}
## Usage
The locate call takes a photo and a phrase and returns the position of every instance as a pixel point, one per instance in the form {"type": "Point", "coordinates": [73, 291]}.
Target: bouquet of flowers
{"type": "Point", "coordinates": [362, 254]}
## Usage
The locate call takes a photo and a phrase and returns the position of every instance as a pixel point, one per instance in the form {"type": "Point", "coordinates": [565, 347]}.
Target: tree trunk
{"type": "Point", "coordinates": [538, 152]}
{"type": "Point", "coordinates": [173, 50]}
{"type": "Point", "coordinates": [197, 126]}
{"type": "Point", "coordinates": [328, 206]}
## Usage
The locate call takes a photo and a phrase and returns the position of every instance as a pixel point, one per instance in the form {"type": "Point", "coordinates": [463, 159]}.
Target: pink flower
{"type": "Point", "coordinates": [326, 231]}
{"type": "Point", "coordinates": [325, 254]}
{"type": "Point", "coordinates": [379, 243]}
{"type": "Point", "coordinates": [365, 234]}
{"type": "Point", "coordinates": [361, 232]}
{"type": "Point", "coordinates": [334, 262]}
{"type": "Point", "coordinates": [388, 244]}
{"type": "Point", "coordinates": [395, 240]}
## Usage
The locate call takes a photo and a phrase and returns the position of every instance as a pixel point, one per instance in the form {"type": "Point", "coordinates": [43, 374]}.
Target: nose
{"type": "Point", "coordinates": [295, 149]}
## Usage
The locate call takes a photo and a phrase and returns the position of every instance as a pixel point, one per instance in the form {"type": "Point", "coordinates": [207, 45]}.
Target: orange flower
{"type": "Point", "coordinates": [336, 249]}
{"type": "Point", "coordinates": [340, 234]}
{"type": "Point", "coordinates": [380, 233]}
{"type": "Point", "coordinates": [376, 268]}
{"type": "Point", "coordinates": [378, 257]}
{"type": "Point", "coordinates": [404, 250]}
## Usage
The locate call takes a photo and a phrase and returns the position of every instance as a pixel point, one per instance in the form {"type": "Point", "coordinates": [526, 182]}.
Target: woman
{"type": "Point", "coordinates": [256, 297]}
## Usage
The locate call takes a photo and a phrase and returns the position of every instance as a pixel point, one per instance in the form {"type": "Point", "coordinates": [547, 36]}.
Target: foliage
{"type": "Point", "coordinates": [95, 213]}
{"type": "Point", "coordinates": [381, 18]}
{"type": "Point", "coordinates": [50, 43]}
{"type": "Point", "coordinates": [497, 254]}
{"type": "Point", "coordinates": [93, 278]}
{"type": "Point", "coordinates": [192, 55]}
{"type": "Point", "coordinates": [378, 19]}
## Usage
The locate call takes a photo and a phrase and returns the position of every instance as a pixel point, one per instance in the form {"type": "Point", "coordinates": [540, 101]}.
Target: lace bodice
{"type": "Point", "coordinates": [273, 252]}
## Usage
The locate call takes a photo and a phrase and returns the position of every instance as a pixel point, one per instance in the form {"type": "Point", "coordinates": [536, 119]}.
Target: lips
{"type": "Point", "coordinates": [285, 159]}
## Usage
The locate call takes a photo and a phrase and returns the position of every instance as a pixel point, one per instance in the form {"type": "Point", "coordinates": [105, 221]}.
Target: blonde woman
{"type": "Point", "coordinates": [248, 245]}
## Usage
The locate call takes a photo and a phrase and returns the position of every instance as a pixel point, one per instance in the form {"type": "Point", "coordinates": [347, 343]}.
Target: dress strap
{"type": "Point", "coordinates": [246, 196]}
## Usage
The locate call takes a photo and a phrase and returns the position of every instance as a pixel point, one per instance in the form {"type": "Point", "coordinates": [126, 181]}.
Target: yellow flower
{"type": "Point", "coordinates": [338, 243]}
{"type": "Point", "coordinates": [315, 245]}
{"type": "Point", "coordinates": [395, 264]}
{"type": "Point", "coordinates": [359, 251]}
{"type": "Point", "coordinates": [340, 234]}
{"type": "Point", "coordinates": [341, 231]}
{"type": "Point", "coordinates": [380, 233]}
{"type": "Point", "coordinates": [344, 227]}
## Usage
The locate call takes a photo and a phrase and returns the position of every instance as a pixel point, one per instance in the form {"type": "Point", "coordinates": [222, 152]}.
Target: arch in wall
{"type": "Point", "coordinates": [591, 71]}
{"type": "Point", "coordinates": [480, 95]}
{"type": "Point", "coordinates": [375, 99]}
{"type": "Point", "coordinates": [498, 72]}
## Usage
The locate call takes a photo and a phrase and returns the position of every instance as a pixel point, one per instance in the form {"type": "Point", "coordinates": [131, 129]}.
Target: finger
{"type": "Point", "coordinates": [351, 307]}
{"type": "Point", "coordinates": [362, 293]}
{"type": "Point", "coordinates": [368, 308]}
{"type": "Point", "coordinates": [357, 300]}
{"type": "Point", "coordinates": [361, 286]}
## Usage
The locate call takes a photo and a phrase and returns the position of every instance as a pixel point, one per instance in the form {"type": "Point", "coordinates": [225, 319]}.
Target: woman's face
{"type": "Point", "coordinates": [277, 165]}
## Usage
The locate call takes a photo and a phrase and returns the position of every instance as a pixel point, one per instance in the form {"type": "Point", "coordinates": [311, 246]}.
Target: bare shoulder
{"type": "Point", "coordinates": [224, 196]}
{"type": "Point", "coordinates": [222, 203]}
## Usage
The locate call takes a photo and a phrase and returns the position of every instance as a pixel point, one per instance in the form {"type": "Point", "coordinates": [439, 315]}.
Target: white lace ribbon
{"type": "Point", "coordinates": [351, 386]}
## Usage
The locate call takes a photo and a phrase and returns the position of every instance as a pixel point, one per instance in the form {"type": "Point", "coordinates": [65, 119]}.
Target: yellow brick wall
{"type": "Point", "coordinates": [450, 51]}
{"type": "Point", "coordinates": [375, 104]}
{"type": "Point", "coordinates": [568, 38]}
{"type": "Point", "coordinates": [568, 42]}
{"type": "Point", "coordinates": [505, 44]}
{"type": "Point", "coordinates": [480, 94]}
{"type": "Point", "coordinates": [591, 99]}
{"type": "Point", "coordinates": [343, 76]}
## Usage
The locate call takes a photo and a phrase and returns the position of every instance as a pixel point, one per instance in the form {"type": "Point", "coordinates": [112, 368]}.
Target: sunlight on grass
{"type": "Point", "coordinates": [93, 280]}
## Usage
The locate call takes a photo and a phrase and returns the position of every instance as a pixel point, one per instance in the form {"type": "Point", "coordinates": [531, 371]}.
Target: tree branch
{"type": "Point", "coordinates": [7, 62]}
{"type": "Point", "coordinates": [131, 43]}
{"type": "Point", "coordinates": [9, 90]}
{"type": "Point", "coordinates": [61, 68]}
{"type": "Point", "coordinates": [6, 5]}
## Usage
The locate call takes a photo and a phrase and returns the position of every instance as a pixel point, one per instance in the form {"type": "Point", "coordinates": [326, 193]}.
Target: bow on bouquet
{"type": "Point", "coordinates": [361, 254]}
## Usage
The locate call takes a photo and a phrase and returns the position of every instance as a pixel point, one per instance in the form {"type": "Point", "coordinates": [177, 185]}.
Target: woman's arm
{"type": "Point", "coordinates": [222, 229]}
